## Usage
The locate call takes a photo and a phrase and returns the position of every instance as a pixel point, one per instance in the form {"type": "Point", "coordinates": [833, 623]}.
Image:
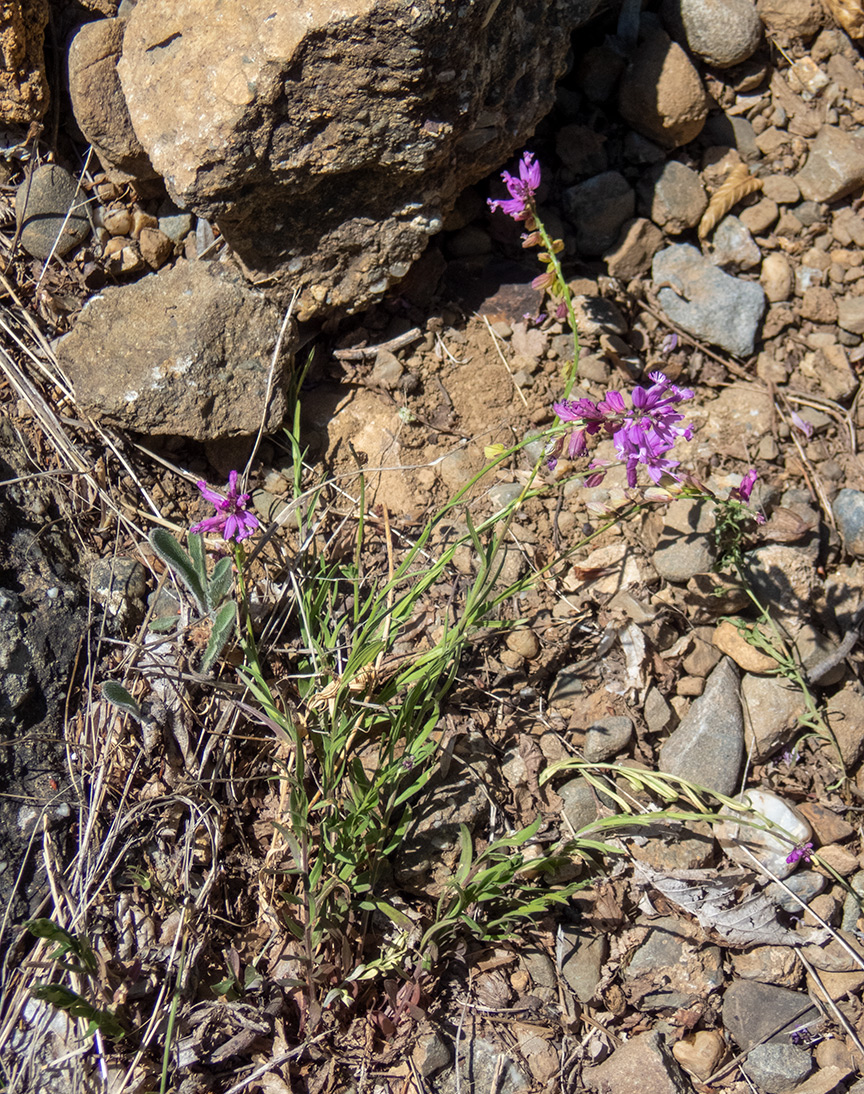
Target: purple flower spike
{"type": "Point", "coordinates": [798, 853]}
{"type": "Point", "coordinates": [643, 433]}
{"type": "Point", "coordinates": [232, 520]}
{"type": "Point", "coordinates": [522, 190]}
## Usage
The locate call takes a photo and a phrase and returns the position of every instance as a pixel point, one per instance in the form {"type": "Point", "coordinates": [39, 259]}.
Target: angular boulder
{"type": "Point", "coordinates": [98, 103]}
{"type": "Point", "coordinates": [329, 141]}
{"type": "Point", "coordinates": [186, 352]}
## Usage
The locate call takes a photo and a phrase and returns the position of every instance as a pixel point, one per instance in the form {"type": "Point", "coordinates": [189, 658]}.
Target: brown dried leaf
{"type": "Point", "coordinates": [785, 526]}
{"type": "Point", "coordinates": [739, 183]}
{"type": "Point", "coordinates": [849, 14]}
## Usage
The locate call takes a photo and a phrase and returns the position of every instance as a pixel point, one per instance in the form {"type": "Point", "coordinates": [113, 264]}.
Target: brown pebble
{"type": "Point", "coordinates": [728, 639]}
{"type": "Point", "coordinates": [156, 248]}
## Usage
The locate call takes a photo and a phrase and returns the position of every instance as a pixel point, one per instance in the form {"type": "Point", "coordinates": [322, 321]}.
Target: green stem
{"type": "Point", "coordinates": [250, 646]}
{"type": "Point", "coordinates": [568, 299]}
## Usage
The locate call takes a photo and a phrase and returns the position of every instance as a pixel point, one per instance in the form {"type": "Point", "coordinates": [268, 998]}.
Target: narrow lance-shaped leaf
{"type": "Point", "coordinates": [173, 555]}
{"type": "Point", "coordinates": [220, 582]}
{"type": "Point", "coordinates": [223, 625]}
{"type": "Point", "coordinates": [198, 556]}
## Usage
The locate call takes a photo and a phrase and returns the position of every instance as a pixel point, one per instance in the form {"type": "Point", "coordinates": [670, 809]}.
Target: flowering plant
{"type": "Point", "coordinates": [522, 206]}
{"type": "Point", "coordinates": [232, 521]}
{"type": "Point", "coordinates": [643, 433]}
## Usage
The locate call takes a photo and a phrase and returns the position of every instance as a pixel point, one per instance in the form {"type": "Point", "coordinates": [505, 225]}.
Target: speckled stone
{"type": "Point", "coordinates": [41, 210]}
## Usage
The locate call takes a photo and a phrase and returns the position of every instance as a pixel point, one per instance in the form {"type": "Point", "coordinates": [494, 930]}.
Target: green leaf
{"type": "Point", "coordinates": [162, 624]}
{"type": "Point", "coordinates": [223, 625]}
{"type": "Point", "coordinates": [466, 853]}
{"type": "Point", "coordinates": [173, 555]}
{"type": "Point", "coordinates": [221, 581]}
{"type": "Point", "coordinates": [518, 838]}
{"type": "Point", "coordinates": [198, 556]}
{"type": "Point", "coordinates": [66, 943]}
{"type": "Point", "coordinates": [78, 1007]}
{"type": "Point", "coordinates": [119, 697]}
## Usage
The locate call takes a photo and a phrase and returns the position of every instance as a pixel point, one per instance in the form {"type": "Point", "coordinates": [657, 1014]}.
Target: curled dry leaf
{"type": "Point", "coordinates": [739, 183]}
{"type": "Point", "coordinates": [849, 14]}
{"type": "Point", "coordinates": [730, 905]}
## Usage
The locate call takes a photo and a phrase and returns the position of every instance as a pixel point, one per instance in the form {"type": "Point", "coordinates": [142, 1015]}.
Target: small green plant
{"type": "Point", "coordinates": [491, 892]}
{"type": "Point", "coordinates": [76, 957]}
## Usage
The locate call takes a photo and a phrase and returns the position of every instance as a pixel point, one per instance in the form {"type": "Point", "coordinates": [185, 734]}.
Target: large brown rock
{"type": "Point", "coordinates": [186, 351]}
{"type": "Point", "coordinates": [23, 86]}
{"type": "Point", "coordinates": [661, 94]}
{"type": "Point", "coordinates": [329, 141]}
{"type": "Point", "coordinates": [98, 102]}
{"type": "Point", "coordinates": [791, 18]}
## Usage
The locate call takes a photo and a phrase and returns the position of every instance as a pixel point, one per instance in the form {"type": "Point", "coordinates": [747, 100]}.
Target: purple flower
{"type": "Point", "coordinates": [643, 434]}
{"type": "Point", "coordinates": [668, 344]}
{"type": "Point", "coordinates": [520, 204]}
{"type": "Point", "coordinates": [805, 427]}
{"type": "Point", "coordinates": [743, 492]}
{"type": "Point", "coordinates": [232, 520]}
{"type": "Point", "coordinates": [803, 851]}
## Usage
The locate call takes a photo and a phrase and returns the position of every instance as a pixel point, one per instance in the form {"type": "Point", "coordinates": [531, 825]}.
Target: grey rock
{"type": "Point", "coordinates": [670, 970]}
{"type": "Point", "coordinates": [805, 884]}
{"type": "Point", "coordinates": [733, 247]}
{"type": "Point", "coordinates": [186, 351]}
{"type": "Point", "coordinates": [430, 848]}
{"type": "Point", "coordinates": [772, 707]}
{"type": "Point", "coordinates": [734, 132]}
{"type": "Point", "coordinates": [706, 302]}
{"type": "Point", "coordinates": [431, 1054]}
{"type": "Point", "coordinates": [708, 745]}
{"type": "Point", "coordinates": [15, 670]}
{"type": "Point", "coordinates": [642, 1065]}
{"type": "Point", "coordinates": [583, 954]}
{"type": "Point", "coordinates": [176, 223]}
{"type": "Point", "coordinates": [852, 903]}
{"type": "Point", "coordinates": [834, 167]}
{"type": "Point", "coordinates": [686, 544]}
{"type": "Point", "coordinates": [777, 1069]}
{"type": "Point", "coordinates": [482, 1067]}
{"type": "Point", "coordinates": [607, 738]}
{"type": "Point", "coordinates": [329, 148]}
{"type": "Point", "coordinates": [674, 196]}
{"type": "Point", "coordinates": [579, 803]}
{"type": "Point", "coordinates": [541, 969]}
{"type": "Point", "coordinates": [567, 684]}
{"type": "Point", "coordinates": [753, 1010]}
{"type": "Point", "coordinates": [848, 510]}
{"type": "Point", "coordinates": [598, 208]}
{"type": "Point", "coordinates": [120, 585]}
{"type": "Point", "coordinates": [98, 102]}
{"type": "Point", "coordinates": [721, 32]}
{"type": "Point", "coordinates": [41, 206]}
{"type": "Point", "coordinates": [658, 712]}
{"type": "Point", "coordinates": [581, 150]}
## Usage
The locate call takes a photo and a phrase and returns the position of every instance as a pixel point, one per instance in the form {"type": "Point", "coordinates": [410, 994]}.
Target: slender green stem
{"type": "Point", "coordinates": [172, 1018]}
{"type": "Point", "coordinates": [564, 288]}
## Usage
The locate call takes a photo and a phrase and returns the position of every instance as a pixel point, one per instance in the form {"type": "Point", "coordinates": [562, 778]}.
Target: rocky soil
{"type": "Point", "coordinates": [704, 165]}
